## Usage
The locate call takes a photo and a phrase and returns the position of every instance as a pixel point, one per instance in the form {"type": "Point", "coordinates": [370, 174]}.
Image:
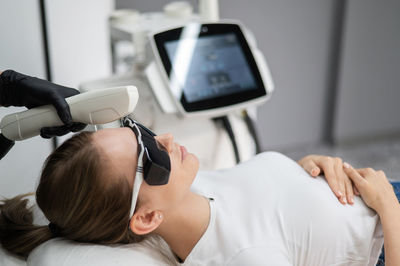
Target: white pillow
{"type": "Point", "coordinates": [62, 252]}
{"type": "Point", "coordinates": [8, 259]}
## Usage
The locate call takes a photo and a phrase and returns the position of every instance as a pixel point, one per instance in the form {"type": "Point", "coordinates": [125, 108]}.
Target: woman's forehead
{"type": "Point", "coordinates": [120, 147]}
{"type": "Point", "coordinates": [116, 135]}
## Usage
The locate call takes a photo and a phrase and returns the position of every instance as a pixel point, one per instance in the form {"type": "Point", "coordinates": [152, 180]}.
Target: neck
{"type": "Point", "coordinates": [183, 227]}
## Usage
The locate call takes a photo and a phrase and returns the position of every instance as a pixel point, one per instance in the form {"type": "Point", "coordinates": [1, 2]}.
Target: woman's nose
{"type": "Point", "coordinates": [166, 140]}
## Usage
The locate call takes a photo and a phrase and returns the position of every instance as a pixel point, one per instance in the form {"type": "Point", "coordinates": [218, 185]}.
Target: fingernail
{"type": "Point", "coordinates": [344, 200]}
{"type": "Point", "coordinates": [351, 200]}
{"type": "Point", "coordinates": [314, 171]}
{"type": "Point", "coordinates": [346, 165]}
{"type": "Point", "coordinates": [340, 193]}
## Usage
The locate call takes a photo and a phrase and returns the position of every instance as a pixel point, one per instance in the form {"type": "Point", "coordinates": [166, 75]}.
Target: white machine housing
{"type": "Point", "coordinates": [139, 30]}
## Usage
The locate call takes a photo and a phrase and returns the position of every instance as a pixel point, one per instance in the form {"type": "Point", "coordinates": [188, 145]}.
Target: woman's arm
{"type": "Point", "coordinates": [390, 218]}
{"type": "Point", "coordinates": [378, 194]}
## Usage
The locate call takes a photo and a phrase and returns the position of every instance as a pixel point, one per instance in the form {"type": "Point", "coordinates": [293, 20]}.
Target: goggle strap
{"type": "Point", "coordinates": [139, 175]}
{"type": "Point", "coordinates": [136, 187]}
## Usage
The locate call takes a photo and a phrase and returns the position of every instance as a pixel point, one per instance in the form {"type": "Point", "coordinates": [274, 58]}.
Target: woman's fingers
{"type": "Point", "coordinates": [374, 187]}
{"type": "Point", "coordinates": [311, 167]}
{"type": "Point", "coordinates": [341, 180]}
{"type": "Point", "coordinates": [331, 178]}
{"type": "Point", "coordinates": [349, 191]}
{"type": "Point", "coordinates": [354, 175]}
{"type": "Point", "coordinates": [345, 180]}
{"type": "Point", "coordinates": [364, 172]}
{"type": "Point", "coordinates": [355, 190]}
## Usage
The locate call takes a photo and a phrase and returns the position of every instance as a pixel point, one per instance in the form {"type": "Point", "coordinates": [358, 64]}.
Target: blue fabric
{"type": "Point", "coordinates": [396, 188]}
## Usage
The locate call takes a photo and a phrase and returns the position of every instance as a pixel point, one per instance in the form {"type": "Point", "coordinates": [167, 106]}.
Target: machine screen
{"type": "Point", "coordinates": [209, 66]}
{"type": "Point", "coordinates": [217, 67]}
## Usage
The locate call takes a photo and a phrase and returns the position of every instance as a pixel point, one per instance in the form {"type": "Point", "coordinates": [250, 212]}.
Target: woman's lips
{"type": "Point", "coordinates": [183, 152]}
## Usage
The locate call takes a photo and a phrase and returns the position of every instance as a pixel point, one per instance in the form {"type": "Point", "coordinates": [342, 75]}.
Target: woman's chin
{"type": "Point", "coordinates": [193, 163]}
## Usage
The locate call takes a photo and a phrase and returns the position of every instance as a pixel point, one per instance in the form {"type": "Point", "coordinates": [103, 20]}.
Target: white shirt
{"type": "Point", "coordinates": [269, 211]}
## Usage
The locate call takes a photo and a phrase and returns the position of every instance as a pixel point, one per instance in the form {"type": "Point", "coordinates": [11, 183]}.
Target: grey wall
{"type": "Point", "coordinates": [295, 37]}
{"type": "Point", "coordinates": [79, 40]}
{"type": "Point", "coordinates": [369, 91]}
{"type": "Point", "coordinates": [21, 49]}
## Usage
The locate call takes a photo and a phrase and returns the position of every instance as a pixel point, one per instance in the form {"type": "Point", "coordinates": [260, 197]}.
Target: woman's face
{"type": "Point", "coordinates": [120, 147]}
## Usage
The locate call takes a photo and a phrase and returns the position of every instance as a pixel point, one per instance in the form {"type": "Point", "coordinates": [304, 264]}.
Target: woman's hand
{"type": "Point", "coordinates": [374, 187]}
{"type": "Point", "coordinates": [378, 194]}
{"type": "Point", "coordinates": [332, 168]}
{"type": "Point", "coordinates": [17, 89]}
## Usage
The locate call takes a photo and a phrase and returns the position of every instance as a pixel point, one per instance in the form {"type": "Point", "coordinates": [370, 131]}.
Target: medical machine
{"type": "Point", "coordinates": [93, 107]}
{"type": "Point", "coordinates": [196, 74]}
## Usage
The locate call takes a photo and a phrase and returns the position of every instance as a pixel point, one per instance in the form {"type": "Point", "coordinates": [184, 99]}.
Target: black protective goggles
{"type": "Point", "coordinates": [155, 159]}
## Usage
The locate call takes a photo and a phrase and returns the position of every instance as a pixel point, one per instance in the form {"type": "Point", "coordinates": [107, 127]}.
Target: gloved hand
{"type": "Point", "coordinates": [17, 89]}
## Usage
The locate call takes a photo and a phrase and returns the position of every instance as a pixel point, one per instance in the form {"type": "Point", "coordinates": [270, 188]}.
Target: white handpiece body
{"type": "Point", "coordinates": [93, 107]}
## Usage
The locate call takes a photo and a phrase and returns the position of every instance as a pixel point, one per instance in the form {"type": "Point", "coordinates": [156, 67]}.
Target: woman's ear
{"type": "Point", "coordinates": [145, 221]}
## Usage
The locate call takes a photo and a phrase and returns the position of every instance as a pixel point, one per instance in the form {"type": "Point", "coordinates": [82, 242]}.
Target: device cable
{"type": "Point", "coordinates": [228, 127]}
{"type": "Point", "coordinates": [46, 49]}
{"type": "Point", "coordinates": [250, 126]}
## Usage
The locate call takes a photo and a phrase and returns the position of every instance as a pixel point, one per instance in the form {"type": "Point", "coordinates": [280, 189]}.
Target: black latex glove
{"type": "Point", "coordinates": [17, 89]}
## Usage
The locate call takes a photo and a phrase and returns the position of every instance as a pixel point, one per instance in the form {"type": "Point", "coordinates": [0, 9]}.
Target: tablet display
{"type": "Point", "coordinates": [209, 66]}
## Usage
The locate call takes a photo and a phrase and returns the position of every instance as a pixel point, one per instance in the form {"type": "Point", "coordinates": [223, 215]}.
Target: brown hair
{"type": "Point", "coordinates": [78, 194]}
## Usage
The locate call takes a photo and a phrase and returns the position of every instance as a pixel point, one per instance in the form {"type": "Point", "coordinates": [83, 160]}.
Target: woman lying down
{"type": "Point", "coordinates": [123, 185]}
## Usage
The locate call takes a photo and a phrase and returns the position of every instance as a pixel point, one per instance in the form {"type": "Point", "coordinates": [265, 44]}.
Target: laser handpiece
{"type": "Point", "coordinates": [93, 107]}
